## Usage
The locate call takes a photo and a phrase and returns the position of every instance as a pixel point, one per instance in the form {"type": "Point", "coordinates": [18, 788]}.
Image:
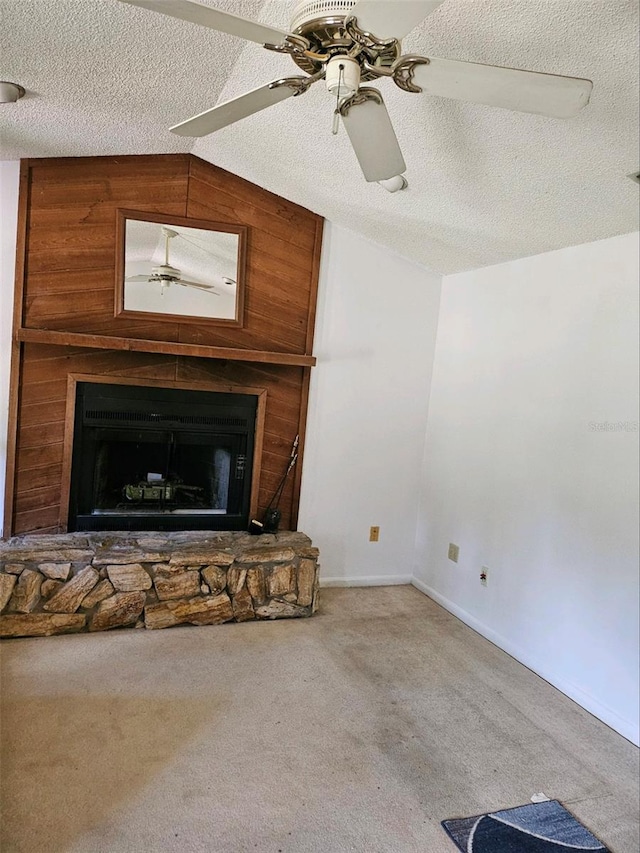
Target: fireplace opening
{"type": "Point", "coordinates": [147, 458]}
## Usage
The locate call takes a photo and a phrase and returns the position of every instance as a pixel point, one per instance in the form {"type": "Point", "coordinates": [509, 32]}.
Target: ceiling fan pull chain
{"type": "Point", "coordinates": [336, 112]}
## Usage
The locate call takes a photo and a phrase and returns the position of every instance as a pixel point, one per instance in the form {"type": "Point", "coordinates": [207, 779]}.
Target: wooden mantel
{"type": "Point", "coordinates": [71, 339]}
{"type": "Point", "coordinates": [65, 323]}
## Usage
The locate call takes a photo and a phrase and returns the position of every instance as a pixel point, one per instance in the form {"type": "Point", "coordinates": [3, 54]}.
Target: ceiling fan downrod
{"type": "Point", "coordinates": [165, 273]}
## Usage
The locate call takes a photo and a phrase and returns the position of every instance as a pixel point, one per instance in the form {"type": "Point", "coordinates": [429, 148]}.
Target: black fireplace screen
{"type": "Point", "coordinates": [147, 458]}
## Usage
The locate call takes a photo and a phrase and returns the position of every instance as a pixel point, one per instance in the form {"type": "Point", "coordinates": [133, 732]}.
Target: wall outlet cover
{"type": "Point", "coordinates": [454, 552]}
{"type": "Point", "coordinates": [374, 534]}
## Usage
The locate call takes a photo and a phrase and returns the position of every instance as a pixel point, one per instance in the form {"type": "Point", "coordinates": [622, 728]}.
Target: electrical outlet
{"type": "Point", "coordinates": [454, 552]}
{"type": "Point", "coordinates": [484, 576]}
{"type": "Point", "coordinates": [374, 534]}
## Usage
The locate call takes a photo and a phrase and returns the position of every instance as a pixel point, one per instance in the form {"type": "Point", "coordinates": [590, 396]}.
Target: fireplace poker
{"type": "Point", "coordinates": [272, 514]}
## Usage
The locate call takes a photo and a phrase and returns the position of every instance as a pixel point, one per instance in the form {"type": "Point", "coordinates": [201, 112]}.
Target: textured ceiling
{"type": "Point", "coordinates": [486, 185]}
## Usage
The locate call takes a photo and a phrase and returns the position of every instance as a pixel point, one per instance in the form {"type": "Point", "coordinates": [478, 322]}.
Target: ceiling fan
{"type": "Point", "coordinates": [167, 275]}
{"type": "Point", "coordinates": [349, 43]}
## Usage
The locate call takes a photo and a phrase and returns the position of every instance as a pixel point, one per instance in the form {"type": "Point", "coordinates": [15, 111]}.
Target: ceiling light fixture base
{"type": "Point", "coordinates": [10, 92]}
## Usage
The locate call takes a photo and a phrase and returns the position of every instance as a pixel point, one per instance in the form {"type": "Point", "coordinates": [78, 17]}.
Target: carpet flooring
{"type": "Point", "coordinates": [357, 730]}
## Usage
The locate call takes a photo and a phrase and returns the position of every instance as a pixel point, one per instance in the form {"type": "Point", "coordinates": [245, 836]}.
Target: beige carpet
{"type": "Point", "coordinates": [356, 730]}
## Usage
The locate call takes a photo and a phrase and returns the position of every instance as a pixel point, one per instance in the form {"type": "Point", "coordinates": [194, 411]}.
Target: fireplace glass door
{"type": "Point", "coordinates": [161, 459]}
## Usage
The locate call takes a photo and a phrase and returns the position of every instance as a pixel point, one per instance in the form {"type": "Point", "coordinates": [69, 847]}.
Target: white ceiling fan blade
{"type": "Point", "coordinates": [215, 19]}
{"type": "Point", "coordinates": [206, 287]}
{"type": "Point", "coordinates": [392, 18]}
{"type": "Point", "coordinates": [510, 88]}
{"type": "Point", "coordinates": [372, 136]}
{"type": "Point", "coordinates": [234, 110]}
{"type": "Point", "coordinates": [138, 278]}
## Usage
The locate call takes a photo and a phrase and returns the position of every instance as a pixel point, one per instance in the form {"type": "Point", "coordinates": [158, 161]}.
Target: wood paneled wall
{"type": "Point", "coordinates": [66, 284]}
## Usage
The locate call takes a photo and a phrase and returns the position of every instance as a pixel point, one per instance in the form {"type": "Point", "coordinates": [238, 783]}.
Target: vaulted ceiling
{"type": "Point", "coordinates": [485, 185]}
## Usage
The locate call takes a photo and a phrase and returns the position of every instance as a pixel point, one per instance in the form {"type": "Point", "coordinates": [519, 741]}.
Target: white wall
{"type": "Point", "coordinates": [531, 467]}
{"type": "Point", "coordinates": [9, 180]}
{"type": "Point", "coordinates": [375, 338]}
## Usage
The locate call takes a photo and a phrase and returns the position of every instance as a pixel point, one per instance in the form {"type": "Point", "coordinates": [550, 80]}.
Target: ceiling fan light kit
{"type": "Point", "coordinates": [342, 76]}
{"type": "Point", "coordinates": [349, 43]}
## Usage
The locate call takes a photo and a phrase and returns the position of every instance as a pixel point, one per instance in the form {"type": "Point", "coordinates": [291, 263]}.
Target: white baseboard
{"type": "Point", "coordinates": [626, 728]}
{"type": "Point", "coordinates": [372, 580]}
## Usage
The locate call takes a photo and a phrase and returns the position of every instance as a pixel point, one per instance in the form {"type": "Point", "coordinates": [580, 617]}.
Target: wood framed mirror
{"type": "Point", "coordinates": [179, 269]}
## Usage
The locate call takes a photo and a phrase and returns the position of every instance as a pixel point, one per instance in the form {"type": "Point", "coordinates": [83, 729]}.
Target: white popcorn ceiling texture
{"type": "Point", "coordinates": [485, 185]}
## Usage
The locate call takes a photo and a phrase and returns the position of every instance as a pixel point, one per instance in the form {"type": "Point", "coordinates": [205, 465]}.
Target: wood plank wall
{"type": "Point", "coordinates": [66, 283]}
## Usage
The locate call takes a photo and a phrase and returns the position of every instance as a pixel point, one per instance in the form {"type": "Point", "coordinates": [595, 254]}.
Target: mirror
{"type": "Point", "coordinates": [181, 269]}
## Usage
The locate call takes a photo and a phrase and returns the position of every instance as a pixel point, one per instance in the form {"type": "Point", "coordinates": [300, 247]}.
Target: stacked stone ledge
{"type": "Point", "coordinates": [95, 582]}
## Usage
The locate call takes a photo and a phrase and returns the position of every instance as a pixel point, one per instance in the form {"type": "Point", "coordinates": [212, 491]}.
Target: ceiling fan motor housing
{"type": "Point", "coordinates": [164, 272]}
{"type": "Point", "coordinates": [314, 10]}
{"type": "Point", "coordinates": [322, 23]}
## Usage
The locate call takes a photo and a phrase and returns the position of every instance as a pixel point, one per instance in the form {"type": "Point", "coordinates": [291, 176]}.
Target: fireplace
{"type": "Point", "coordinates": [153, 458]}
{"type": "Point", "coordinates": [65, 333]}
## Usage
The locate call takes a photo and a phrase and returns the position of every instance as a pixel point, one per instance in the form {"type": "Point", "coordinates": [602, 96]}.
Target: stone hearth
{"type": "Point", "coordinates": [98, 581]}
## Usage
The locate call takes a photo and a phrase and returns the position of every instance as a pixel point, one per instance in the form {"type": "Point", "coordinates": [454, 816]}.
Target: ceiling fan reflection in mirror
{"type": "Point", "coordinates": [349, 43]}
{"type": "Point", "coordinates": [166, 275]}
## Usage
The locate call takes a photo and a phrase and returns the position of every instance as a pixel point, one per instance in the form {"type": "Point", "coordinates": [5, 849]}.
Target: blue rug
{"type": "Point", "coordinates": [535, 828]}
